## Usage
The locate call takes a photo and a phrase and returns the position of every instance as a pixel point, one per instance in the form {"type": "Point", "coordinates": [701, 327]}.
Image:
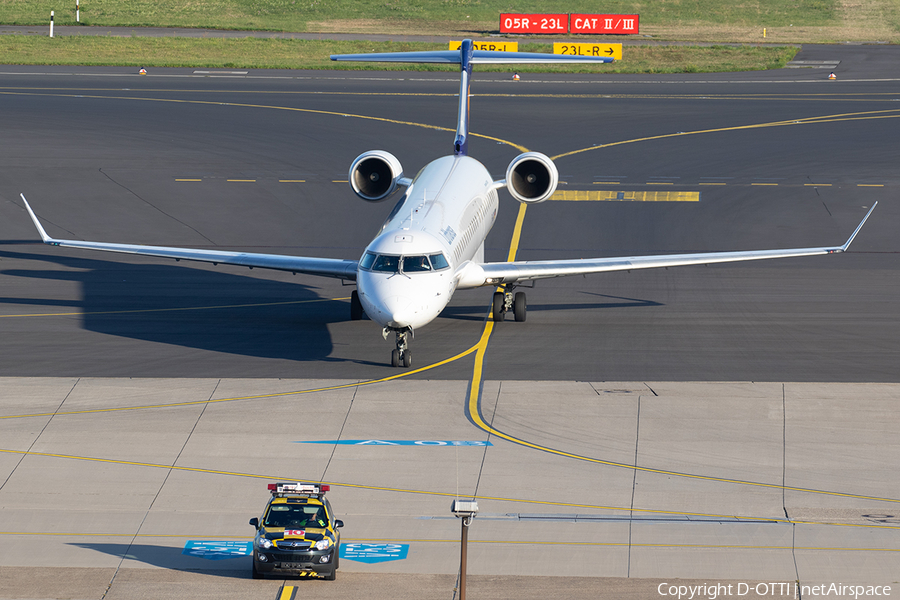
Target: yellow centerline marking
{"type": "Point", "coordinates": [861, 116]}
{"type": "Point", "coordinates": [480, 349]}
{"type": "Point", "coordinates": [817, 184]}
{"type": "Point", "coordinates": [271, 107]}
{"type": "Point", "coordinates": [291, 181]}
{"type": "Point", "coordinates": [763, 184]}
{"type": "Point", "coordinates": [473, 408]}
{"type": "Point", "coordinates": [241, 180]}
{"type": "Point", "coordinates": [617, 196]}
{"type": "Point", "coordinates": [188, 179]}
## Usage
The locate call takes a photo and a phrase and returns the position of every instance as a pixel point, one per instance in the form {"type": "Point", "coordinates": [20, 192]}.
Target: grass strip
{"type": "Point", "coordinates": [257, 53]}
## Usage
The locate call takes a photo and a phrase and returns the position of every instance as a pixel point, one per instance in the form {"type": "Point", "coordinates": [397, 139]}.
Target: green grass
{"type": "Point", "coordinates": [255, 53]}
{"type": "Point", "coordinates": [294, 15]}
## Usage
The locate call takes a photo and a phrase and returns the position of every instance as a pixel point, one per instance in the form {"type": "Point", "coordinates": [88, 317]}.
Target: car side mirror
{"type": "Point", "coordinates": [255, 522]}
{"type": "Point", "coordinates": [338, 524]}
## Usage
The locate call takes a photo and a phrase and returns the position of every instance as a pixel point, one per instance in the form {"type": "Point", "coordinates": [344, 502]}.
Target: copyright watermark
{"type": "Point", "coordinates": [779, 589]}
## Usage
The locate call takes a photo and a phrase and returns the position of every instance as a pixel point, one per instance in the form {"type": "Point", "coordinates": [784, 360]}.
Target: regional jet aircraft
{"type": "Point", "coordinates": [430, 246]}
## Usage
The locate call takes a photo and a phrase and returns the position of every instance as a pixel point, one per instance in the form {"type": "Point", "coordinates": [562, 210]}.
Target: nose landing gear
{"type": "Point", "coordinates": [505, 301]}
{"type": "Point", "coordinates": [402, 355]}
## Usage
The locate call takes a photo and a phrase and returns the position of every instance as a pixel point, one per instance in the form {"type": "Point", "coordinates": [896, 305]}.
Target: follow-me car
{"type": "Point", "coordinates": [297, 533]}
{"type": "Point", "coordinates": [432, 243]}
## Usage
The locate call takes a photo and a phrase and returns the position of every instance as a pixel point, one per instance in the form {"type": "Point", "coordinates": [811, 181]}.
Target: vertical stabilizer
{"type": "Point", "coordinates": [461, 144]}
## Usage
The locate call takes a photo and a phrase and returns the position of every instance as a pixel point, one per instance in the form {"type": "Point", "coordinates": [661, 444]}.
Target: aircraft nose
{"type": "Point", "coordinates": [398, 310]}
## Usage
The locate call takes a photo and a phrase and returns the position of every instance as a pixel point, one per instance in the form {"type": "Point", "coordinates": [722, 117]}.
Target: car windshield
{"type": "Point", "coordinates": [295, 516]}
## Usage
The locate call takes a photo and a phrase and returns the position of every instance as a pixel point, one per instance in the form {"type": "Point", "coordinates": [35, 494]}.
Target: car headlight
{"type": "Point", "coordinates": [264, 543]}
{"type": "Point", "coordinates": [323, 544]}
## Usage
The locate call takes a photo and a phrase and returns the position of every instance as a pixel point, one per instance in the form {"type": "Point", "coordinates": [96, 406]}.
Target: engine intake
{"type": "Point", "coordinates": [531, 177]}
{"type": "Point", "coordinates": [374, 175]}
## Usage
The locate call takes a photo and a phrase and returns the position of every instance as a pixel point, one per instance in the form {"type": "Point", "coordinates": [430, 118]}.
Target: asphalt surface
{"type": "Point", "coordinates": [159, 397]}
{"type": "Point", "coordinates": [102, 154]}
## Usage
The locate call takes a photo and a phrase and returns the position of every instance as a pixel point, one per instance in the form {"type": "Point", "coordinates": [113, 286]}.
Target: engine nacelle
{"type": "Point", "coordinates": [531, 177]}
{"type": "Point", "coordinates": [374, 175]}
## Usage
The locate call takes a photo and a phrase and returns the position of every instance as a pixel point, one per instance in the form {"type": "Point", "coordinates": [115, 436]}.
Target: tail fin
{"type": "Point", "coordinates": [466, 57]}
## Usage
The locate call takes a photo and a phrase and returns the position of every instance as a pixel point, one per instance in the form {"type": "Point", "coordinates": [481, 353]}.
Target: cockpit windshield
{"type": "Point", "coordinates": [392, 263]}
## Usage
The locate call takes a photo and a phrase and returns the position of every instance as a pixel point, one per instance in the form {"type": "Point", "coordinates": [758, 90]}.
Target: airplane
{"type": "Point", "coordinates": [432, 243]}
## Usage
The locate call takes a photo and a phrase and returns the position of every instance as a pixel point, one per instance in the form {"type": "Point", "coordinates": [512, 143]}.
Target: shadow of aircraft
{"type": "Point", "coordinates": [217, 309]}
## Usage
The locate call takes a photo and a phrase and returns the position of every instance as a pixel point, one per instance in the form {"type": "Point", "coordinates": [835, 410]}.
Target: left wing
{"type": "Point", "coordinates": [475, 275]}
{"type": "Point", "coordinates": [326, 267]}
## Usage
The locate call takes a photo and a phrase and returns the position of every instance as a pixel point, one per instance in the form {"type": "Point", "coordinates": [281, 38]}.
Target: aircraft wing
{"type": "Point", "coordinates": [326, 267]}
{"type": "Point", "coordinates": [475, 275]}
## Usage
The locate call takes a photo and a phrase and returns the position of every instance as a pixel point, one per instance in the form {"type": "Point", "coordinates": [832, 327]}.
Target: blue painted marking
{"type": "Point", "coordinates": [217, 549]}
{"type": "Point", "coordinates": [374, 553]}
{"type": "Point", "coordinates": [399, 442]}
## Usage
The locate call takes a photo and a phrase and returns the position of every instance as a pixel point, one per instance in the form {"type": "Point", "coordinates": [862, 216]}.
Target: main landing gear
{"type": "Point", "coordinates": [402, 355]}
{"type": "Point", "coordinates": [505, 301]}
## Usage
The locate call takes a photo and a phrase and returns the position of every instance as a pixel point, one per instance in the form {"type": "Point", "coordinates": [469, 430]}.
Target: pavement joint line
{"type": "Point", "coordinates": [453, 494]}
{"type": "Point", "coordinates": [471, 541]}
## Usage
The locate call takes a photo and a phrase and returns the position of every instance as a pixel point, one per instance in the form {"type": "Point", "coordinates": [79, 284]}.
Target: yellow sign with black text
{"type": "Point", "coordinates": [587, 49]}
{"type": "Point", "coordinates": [492, 46]}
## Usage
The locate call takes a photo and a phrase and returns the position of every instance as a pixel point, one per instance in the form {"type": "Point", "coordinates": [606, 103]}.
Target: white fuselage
{"type": "Point", "coordinates": [448, 209]}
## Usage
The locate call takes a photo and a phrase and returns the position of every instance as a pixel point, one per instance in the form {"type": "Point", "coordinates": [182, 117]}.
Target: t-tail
{"type": "Point", "coordinates": [466, 57]}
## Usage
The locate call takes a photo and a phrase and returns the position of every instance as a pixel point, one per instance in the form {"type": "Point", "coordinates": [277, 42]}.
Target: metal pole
{"type": "Point", "coordinates": [462, 558]}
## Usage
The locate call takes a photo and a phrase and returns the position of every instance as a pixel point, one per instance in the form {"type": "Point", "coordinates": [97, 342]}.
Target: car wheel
{"type": "Point", "coordinates": [253, 572]}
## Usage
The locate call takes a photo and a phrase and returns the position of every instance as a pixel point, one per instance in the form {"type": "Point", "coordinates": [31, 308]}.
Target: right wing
{"type": "Point", "coordinates": [476, 275]}
{"type": "Point", "coordinates": [326, 267]}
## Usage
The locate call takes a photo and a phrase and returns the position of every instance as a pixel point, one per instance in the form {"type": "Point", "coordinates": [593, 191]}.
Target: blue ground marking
{"type": "Point", "coordinates": [430, 443]}
{"type": "Point", "coordinates": [217, 549]}
{"type": "Point", "coordinates": [374, 553]}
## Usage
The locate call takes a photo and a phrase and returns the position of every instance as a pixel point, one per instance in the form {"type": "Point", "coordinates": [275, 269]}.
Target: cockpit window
{"type": "Point", "coordinates": [415, 264]}
{"type": "Point", "coordinates": [387, 263]}
{"type": "Point", "coordinates": [367, 260]}
{"type": "Point", "coordinates": [438, 261]}
{"type": "Point", "coordinates": [391, 263]}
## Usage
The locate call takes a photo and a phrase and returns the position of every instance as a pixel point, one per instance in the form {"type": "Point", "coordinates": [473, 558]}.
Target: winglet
{"type": "Point", "coordinates": [858, 227]}
{"type": "Point", "coordinates": [44, 237]}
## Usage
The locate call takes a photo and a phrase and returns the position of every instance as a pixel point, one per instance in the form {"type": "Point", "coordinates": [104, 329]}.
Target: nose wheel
{"type": "Point", "coordinates": [402, 357]}
{"type": "Point", "coordinates": [507, 301]}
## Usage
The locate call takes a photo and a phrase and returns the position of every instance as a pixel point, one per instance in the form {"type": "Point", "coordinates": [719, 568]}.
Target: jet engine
{"type": "Point", "coordinates": [375, 174]}
{"type": "Point", "coordinates": [531, 177]}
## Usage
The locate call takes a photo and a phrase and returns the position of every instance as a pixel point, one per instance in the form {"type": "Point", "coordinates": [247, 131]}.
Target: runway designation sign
{"type": "Point", "coordinates": [374, 553]}
{"type": "Point", "coordinates": [492, 46]}
{"type": "Point", "coordinates": [588, 49]}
